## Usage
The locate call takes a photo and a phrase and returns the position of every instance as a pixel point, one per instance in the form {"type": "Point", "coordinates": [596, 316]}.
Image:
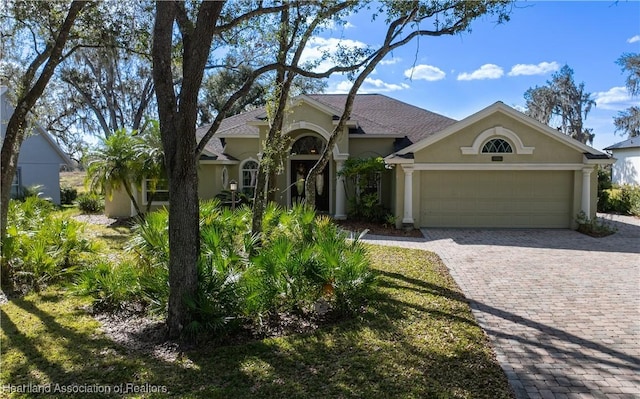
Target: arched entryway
{"type": "Point", "coordinates": [304, 154]}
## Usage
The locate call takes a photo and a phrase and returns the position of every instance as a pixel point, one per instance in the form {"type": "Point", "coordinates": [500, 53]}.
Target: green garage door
{"type": "Point", "coordinates": [508, 199]}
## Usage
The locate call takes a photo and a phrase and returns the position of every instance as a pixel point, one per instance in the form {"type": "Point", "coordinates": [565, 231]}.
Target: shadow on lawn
{"type": "Point", "coordinates": [64, 356]}
{"type": "Point", "coordinates": [404, 345]}
{"type": "Point", "coordinates": [396, 349]}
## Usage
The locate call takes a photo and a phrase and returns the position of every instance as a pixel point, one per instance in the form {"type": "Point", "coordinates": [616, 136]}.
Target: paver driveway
{"type": "Point", "coordinates": [562, 309]}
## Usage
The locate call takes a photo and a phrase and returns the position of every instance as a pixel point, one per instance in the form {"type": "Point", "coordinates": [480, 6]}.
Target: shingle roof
{"type": "Point", "coordinates": [379, 114]}
{"type": "Point", "coordinates": [376, 114]}
{"type": "Point", "coordinates": [633, 142]}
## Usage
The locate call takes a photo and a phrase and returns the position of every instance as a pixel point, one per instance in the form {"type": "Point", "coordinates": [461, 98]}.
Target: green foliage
{"type": "Point", "coordinates": [300, 261]}
{"type": "Point", "coordinates": [623, 199]}
{"type": "Point", "coordinates": [42, 246]}
{"type": "Point", "coordinates": [113, 286]}
{"type": "Point", "coordinates": [124, 159]}
{"type": "Point", "coordinates": [68, 195]}
{"type": "Point", "coordinates": [90, 203]}
{"type": "Point", "coordinates": [365, 175]}
{"type": "Point", "coordinates": [31, 191]}
{"type": "Point", "coordinates": [604, 183]}
{"type": "Point", "coordinates": [593, 227]}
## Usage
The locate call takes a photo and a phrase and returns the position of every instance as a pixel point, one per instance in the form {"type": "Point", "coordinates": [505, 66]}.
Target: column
{"type": "Point", "coordinates": [408, 195]}
{"type": "Point", "coordinates": [586, 191]}
{"type": "Point", "coordinates": [340, 213]}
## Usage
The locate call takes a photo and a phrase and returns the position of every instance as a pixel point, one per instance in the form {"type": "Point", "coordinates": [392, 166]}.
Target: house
{"type": "Point", "coordinates": [626, 169]}
{"type": "Point", "coordinates": [496, 168]}
{"type": "Point", "coordinates": [40, 156]}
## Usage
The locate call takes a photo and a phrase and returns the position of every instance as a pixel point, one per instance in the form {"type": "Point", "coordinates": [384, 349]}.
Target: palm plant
{"type": "Point", "coordinates": [115, 165]}
{"type": "Point", "coordinates": [148, 150]}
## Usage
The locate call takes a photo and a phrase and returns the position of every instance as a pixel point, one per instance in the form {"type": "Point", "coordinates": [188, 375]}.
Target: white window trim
{"type": "Point", "coordinates": [241, 185]}
{"type": "Point", "coordinates": [497, 132]}
{"type": "Point", "coordinates": [18, 181]}
{"type": "Point", "coordinates": [144, 195]}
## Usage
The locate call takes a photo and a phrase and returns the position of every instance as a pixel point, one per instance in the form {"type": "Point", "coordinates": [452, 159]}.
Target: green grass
{"type": "Point", "coordinates": [73, 179]}
{"type": "Point", "coordinates": [417, 339]}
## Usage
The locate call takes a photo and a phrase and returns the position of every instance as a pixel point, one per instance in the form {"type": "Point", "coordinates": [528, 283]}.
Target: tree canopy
{"type": "Point", "coordinates": [628, 121]}
{"type": "Point", "coordinates": [562, 104]}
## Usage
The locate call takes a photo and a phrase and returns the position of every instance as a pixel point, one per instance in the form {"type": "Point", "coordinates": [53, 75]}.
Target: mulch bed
{"type": "Point", "coordinates": [378, 229]}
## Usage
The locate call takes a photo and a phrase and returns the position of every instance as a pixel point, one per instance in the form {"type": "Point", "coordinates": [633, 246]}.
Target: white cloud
{"type": "Point", "coordinates": [369, 86]}
{"type": "Point", "coordinates": [616, 98]}
{"type": "Point", "coordinates": [425, 72]}
{"type": "Point", "coordinates": [319, 47]}
{"type": "Point", "coordinates": [487, 71]}
{"type": "Point", "coordinates": [634, 39]}
{"type": "Point", "coordinates": [390, 61]}
{"type": "Point", "coordinates": [533, 69]}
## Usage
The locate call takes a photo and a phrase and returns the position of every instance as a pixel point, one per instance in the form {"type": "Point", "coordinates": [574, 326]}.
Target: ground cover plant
{"type": "Point", "coordinates": [42, 246]}
{"type": "Point", "coordinates": [415, 338]}
{"type": "Point", "coordinates": [300, 267]}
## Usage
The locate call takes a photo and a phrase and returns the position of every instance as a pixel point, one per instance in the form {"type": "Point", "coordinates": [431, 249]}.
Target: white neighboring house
{"type": "Point", "coordinates": [626, 169]}
{"type": "Point", "coordinates": [40, 157]}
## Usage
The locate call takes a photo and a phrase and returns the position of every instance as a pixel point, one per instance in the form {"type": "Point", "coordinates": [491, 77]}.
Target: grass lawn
{"type": "Point", "coordinates": [417, 339]}
{"type": "Point", "coordinates": [73, 179]}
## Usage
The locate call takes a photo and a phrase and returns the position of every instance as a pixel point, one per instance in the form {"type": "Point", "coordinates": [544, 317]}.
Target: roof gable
{"type": "Point", "coordinates": [633, 142]}
{"type": "Point", "coordinates": [499, 107]}
{"type": "Point", "coordinates": [38, 130]}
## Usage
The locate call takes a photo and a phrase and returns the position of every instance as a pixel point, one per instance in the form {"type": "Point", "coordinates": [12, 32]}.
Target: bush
{"type": "Point", "coordinates": [42, 246]}
{"type": "Point", "coordinates": [68, 195]}
{"type": "Point", "coordinates": [112, 285]}
{"type": "Point", "coordinates": [621, 199]}
{"type": "Point", "coordinates": [90, 203]}
{"type": "Point", "coordinates": [593, 227]}
{"type": "Point", "coordinates": [300, 261]}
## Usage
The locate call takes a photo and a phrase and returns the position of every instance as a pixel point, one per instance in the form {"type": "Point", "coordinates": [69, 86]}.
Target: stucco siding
{"type": "Point", "coordinates": [117, 205]}
{"type": "Point", "coordinates": [546, 148]}
{"type": "Point", "coordinates": [46, 175]}
{"type": "Point", "coordinates": [368, 147]}
{"type": "Point", "coordinates": [496, 199]}
{"type": "Point", "coordinates": [626, 170]}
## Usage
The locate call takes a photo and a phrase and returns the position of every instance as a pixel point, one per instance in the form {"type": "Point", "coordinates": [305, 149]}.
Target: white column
{"type": "Point", "coordinates": [408, 195]}
{"type": "Point", "coordinates": [340, 194]}
{"type": "Point", "coordinates": [586, 191]}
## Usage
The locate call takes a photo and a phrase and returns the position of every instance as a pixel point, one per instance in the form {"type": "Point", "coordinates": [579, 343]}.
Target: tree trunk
{"type": "Point", "coordinates": [178, 131]}
{"type": "Point", "coordinates": [184, 232]}
{"type": "Point", "coordinates": [17, 125]}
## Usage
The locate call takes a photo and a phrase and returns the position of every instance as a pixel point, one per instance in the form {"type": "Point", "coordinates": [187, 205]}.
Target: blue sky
{"type": "Point", "coordinates": [459, 75]}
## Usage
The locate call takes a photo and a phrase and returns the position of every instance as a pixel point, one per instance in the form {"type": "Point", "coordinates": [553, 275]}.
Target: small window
{"type": "Point", "coordinates": [369, 185]}
{"type": "Point", "coordinates": [160, 194]}
{"type": "Point", "coordinates": [497, 146]}
{"type": "Point", "coordinates": [249, 177]}
{"type": "Point", "coordinates": [16, 184]}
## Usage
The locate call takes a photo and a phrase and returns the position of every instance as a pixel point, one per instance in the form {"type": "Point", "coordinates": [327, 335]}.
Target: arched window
{"type": "Point", "coordinates": [497, 146]}
{"type": "Point", "coordinates": [308, 145]}
{"type": "Point", "coordinates": [249, 177]}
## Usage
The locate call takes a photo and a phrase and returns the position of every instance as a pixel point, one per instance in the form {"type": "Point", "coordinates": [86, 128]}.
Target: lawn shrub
{"type": "Point", "coordinates": [90, 203]}
{"type": "Point", "coordinates": [42, 246]}
{"type": "Point", "coordinates": [113, 285]}
{"type": "Point", "coordinates": [298, 261]}
{"type": "Point", "coordinates": [68, 195]}
{"type": "Point", "coordinates": [623, 199]}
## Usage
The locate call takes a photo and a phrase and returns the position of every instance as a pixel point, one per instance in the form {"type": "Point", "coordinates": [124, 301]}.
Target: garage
{"type": "Point", "coordinates": [500, 199]}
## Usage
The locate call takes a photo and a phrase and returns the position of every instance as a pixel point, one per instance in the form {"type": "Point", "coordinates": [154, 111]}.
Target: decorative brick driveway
{"type": "Point", "coordinates": [562, 309]}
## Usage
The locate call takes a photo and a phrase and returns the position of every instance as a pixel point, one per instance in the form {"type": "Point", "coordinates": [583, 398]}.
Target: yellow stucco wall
{"type": "Point", "coordinates": [547, 149]}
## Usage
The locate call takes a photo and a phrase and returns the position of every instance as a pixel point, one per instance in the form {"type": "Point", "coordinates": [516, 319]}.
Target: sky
{"type": "Point", "coordinates": [459, 75]}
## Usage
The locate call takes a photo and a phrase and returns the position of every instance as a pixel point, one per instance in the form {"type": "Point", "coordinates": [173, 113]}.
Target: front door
{"type": "Point", "coordinates": [299, 171]}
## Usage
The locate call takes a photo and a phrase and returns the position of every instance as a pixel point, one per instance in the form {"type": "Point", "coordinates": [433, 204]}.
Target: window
{"type": "Point", "coordinates": [249, 177]}
{"type": "Point", "coordinates": [16, 184]}
{"type": "Point", "coordinates": [369, 185]}
{"type": "Point", "coordinates": [160, 194]}
{"type": "Point", "coordinates": [497, 146]}
{"type": "Point", "coordinates": [308, 145]}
